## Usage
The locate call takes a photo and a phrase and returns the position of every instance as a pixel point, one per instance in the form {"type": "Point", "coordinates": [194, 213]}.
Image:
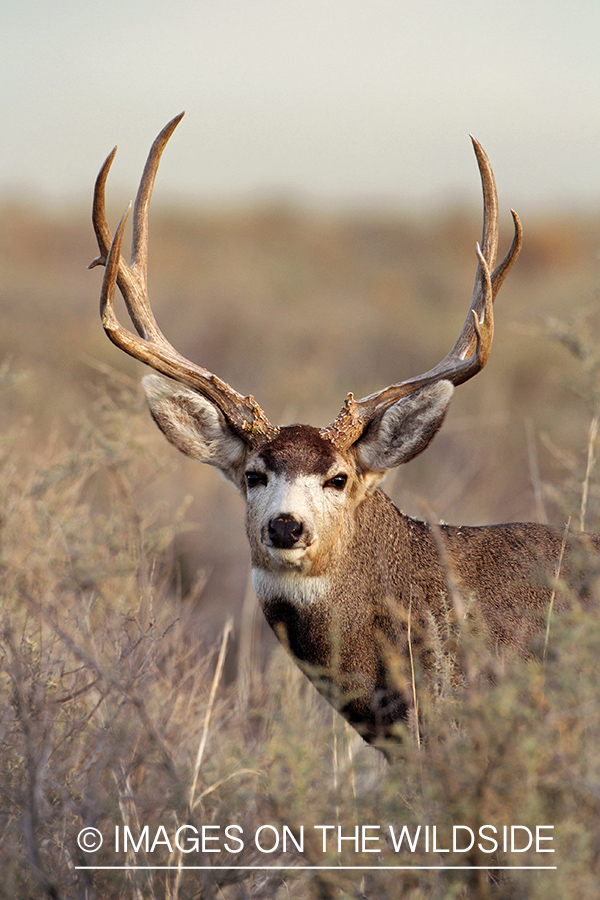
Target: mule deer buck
{"type": "Point", "coordinates": [344, 578]}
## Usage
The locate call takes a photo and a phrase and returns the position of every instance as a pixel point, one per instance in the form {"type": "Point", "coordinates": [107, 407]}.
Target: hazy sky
{"type": "Point", "coordinates": [320, 100]}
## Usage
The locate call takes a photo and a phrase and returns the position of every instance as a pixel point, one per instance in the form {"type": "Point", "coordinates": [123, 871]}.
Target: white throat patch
{"type": "Point", "coordinates": [300, 590]}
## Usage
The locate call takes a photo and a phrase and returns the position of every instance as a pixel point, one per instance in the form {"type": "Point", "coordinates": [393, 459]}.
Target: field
{"type": "Point", "coordinates": [139, 688]}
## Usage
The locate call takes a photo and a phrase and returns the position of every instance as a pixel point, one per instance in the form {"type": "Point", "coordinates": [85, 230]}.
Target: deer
{"type": "Point", "coordinates": [351, 586]}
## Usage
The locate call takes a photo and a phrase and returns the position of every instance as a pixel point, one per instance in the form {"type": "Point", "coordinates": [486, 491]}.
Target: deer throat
{"type": "Point", "coordinates": [290, 586]}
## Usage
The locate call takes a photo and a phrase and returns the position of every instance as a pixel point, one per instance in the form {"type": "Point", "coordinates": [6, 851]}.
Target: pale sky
{"type": "Point", "coordinates": [321, 101]}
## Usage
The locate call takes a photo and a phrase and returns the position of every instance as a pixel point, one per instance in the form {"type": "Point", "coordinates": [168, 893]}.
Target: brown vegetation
{"type": "Point", "coordinates": [121, 562]}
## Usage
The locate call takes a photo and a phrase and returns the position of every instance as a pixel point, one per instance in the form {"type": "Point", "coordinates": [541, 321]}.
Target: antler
{"type": "Point", "coordinates": [150, 346]}
{"type": "Point", "coordinates": [472, 349]}
{"type": "Point", "coordinates": [468, 356]}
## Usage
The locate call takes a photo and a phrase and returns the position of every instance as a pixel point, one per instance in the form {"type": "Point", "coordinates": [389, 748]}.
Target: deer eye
{"type": "Point", "coordinates": [255, 478]}
{"type": "Point", "coordinates": [338, 482]}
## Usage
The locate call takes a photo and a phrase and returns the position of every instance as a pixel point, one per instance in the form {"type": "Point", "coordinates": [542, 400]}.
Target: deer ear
{"type": "Point", "coordinates": [194, 425]}
{"type": "Point", "coordinates": [405, 429]}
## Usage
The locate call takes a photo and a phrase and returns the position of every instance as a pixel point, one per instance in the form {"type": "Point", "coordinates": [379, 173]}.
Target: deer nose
{"type": "Point", "coordinates": [284, 531]}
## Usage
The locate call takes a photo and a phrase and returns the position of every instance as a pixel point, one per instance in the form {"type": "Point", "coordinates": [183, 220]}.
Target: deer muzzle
{"type": "Point", "coordinates": [284, 532]}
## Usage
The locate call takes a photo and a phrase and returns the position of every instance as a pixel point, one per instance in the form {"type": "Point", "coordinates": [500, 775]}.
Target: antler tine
{"type": "Point", "coordinates": [132, 279]}
{"type": "Point", "coordinates": [127, 279]}
{"type": "Point", "coordinates": [467, 339]}
{"type": "Point", "coordinates": [139, 246]}
{"type": "Point", "coordinates": [101, 229]}
{"type": "Point", "coordinates": [489, 236]}
{"type": "Point", "coordinates": [472, 348]}
{"type": "Point", "coordinates": [150, 346]}
{"type": "Point", "coordinates": [502, 270]}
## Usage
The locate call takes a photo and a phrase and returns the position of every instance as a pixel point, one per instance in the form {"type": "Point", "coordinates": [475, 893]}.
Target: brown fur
{"type": "Point", "coordinates": [391, 567]}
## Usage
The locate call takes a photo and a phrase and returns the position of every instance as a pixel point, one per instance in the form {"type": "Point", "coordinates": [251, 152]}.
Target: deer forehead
{"type": "Point", "coordinates": [299, 451]}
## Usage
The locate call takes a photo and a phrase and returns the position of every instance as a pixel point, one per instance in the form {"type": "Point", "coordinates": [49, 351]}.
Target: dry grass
{"type": "Point", "coordinates": [121, 700]}
{"type": "Point", "coordinates": [116, 711]}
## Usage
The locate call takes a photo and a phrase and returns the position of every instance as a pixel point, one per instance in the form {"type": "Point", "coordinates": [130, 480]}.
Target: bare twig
{"type": "Point", "coordinates": [209, 710]}
{"type": "Point", "coordinates": [591, 459]}
{"type": "Point", "coordinates": [412, 674]}
{"type": "Point", "coordinates": [554, 587]}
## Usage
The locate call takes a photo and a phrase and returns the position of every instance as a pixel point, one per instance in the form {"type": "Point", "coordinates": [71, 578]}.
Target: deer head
{"type": "Point", "coordinates": [301, 484]}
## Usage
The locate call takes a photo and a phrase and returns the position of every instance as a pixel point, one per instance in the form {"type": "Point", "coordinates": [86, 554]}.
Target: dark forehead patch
{"type": "Point", "coordinates": [299, 449]}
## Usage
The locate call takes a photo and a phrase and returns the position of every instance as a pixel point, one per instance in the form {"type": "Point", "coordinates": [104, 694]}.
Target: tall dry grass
{"type": "Point", "coordinates": [122, 703]}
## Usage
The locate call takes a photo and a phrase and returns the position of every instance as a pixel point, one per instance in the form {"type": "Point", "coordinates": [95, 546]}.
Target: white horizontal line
{"type": "Point", "coordinates": [313, 868]}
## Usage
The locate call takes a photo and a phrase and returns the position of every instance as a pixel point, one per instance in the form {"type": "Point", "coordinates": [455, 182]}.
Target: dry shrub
{"type": "Point", "coordinates": [116, 712]}
{"type": "Point", "coordinates": [117, 706]}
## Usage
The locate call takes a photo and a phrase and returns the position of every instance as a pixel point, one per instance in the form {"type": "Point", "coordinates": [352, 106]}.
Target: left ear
{"type": "Point", "coordinates": [405, 429]}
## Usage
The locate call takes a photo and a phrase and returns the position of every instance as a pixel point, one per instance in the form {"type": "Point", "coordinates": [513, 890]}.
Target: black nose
{"type": "Point", "coordinates": [284, 531]}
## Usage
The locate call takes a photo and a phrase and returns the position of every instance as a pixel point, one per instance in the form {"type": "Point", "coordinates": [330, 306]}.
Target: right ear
{"type": "Point", "coordinates": [195, 425]}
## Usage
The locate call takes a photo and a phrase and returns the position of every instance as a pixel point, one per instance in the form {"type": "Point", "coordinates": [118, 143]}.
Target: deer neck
{"type": "Point", "coordinates": [370, 583]}
{"type": "Point", "coordinates": [339, 628]}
